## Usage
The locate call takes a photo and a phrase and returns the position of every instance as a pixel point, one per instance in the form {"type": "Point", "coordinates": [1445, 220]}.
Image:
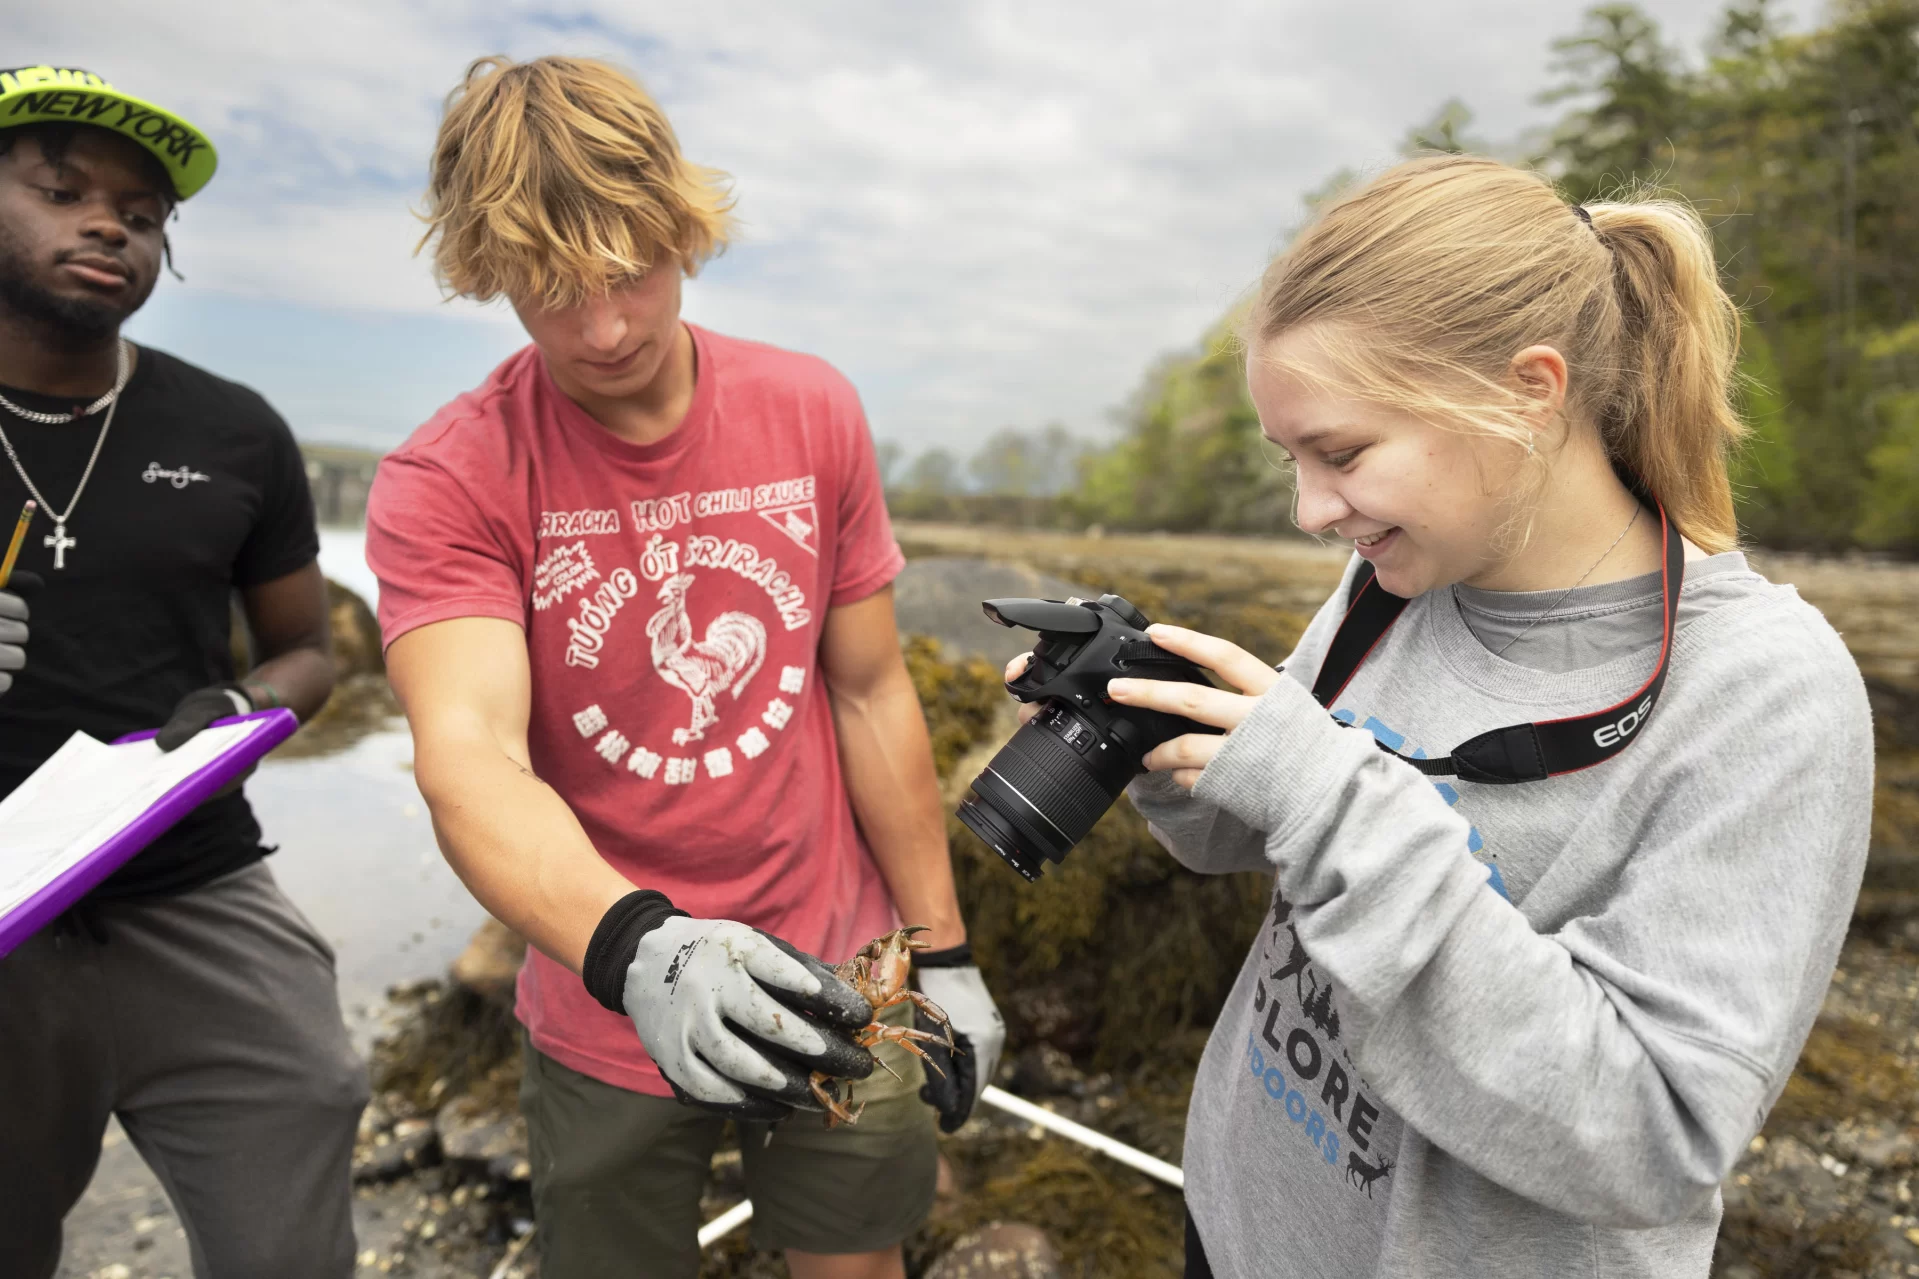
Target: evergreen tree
{"type": "Point", "coordinates": [1633, 97]}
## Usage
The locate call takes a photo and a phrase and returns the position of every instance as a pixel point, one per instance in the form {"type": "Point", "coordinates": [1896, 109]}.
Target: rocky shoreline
{"type": "Point", "coordinates": [1111, 969]}
{"type": "Point", "coordinates": [442, 1154]}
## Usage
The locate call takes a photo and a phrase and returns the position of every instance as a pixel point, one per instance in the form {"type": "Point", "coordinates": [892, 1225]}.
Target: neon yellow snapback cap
{"type": "Point", "coordinates": [31, 95]}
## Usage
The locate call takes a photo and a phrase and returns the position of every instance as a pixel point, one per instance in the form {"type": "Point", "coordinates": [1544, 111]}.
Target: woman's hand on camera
{"type": "Point", "coordinates": [1184, 757]}
{"type": "Point", "coordinates": [1013, 669]}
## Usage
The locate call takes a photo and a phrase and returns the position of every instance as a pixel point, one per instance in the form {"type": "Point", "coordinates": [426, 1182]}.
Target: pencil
{"type": "Point", "coordinates": [13, 547]}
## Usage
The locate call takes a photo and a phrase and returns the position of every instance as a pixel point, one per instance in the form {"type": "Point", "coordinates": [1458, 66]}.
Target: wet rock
{"type": "Point", "coordinates": [1060, 1014]}
{"type": "Point", "coordinates": [356, 634]}
{"type": "Point", "coordinates": [375, 1119]}
{"type": "Point", "coordinates": [411, 1144]}
{"type": "Point", "coordinates": [1045, 1071]}
{"type": "Point", "coordinates": [472, 1132]}
{"type": "Point", "coordinates": [999, 1251]}
{"type": "Point", "coordinates": [940, 596]}
{"type": "Point", "coordinates": [1876, 1146]}
{"type": "Point", "coordinates": [446, 1042]}
{"type": "Point", "coordinates": [491, 961]}
{"type": "Point", "coordinates": [1810, 1189]}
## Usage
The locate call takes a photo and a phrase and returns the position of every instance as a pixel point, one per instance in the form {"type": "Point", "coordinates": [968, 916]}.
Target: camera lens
{"type": "Point", "coordinates": [998, 834]}
{"type": "Point", "coordinates": [1046, 788]}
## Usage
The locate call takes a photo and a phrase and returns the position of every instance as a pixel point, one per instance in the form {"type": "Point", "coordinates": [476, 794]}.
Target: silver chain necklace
{"type": "Point", "coordinates": [58, 539]}
{"type": "Point", "coordinates": [1501, 651]}
{"type": "Point", "coordinates": [61, 419]}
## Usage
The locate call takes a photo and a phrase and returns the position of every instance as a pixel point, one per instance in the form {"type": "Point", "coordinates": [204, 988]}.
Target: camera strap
{"type": "Point", "coordinates": [1518, 752]}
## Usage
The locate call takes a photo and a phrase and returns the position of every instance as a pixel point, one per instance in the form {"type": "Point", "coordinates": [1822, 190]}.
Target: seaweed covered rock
{"type": "Point", "coordinates": [1110, 969]}
{"type": "Point", "coordinates": [1113, 951]}
{"type": "Point", "coordinates": [356, 634]}
{"type": "Point", "coordinates": [1118, 950]}
{"type": "Point", "coordinates": [448, 1042]}
{"type": "Point", "coordinates": [1828, 1188]}
{"type": "Point", "coordinates": [390, 1151]}
{"type": "Point", "coordinates": [964, 700]}
{"type": "Point", "coordinates": [491, 961]}
{"type": "Point", "coordinates": [362, 702]}
{"type": "Point", "coordinates": [488, 1132]}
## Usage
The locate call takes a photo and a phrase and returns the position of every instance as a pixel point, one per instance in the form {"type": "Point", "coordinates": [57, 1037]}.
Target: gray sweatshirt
{"type": "Point", "coordinates": [1494, 1031]}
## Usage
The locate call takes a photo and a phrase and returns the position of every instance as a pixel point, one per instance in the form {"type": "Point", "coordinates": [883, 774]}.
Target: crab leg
{"type": "Point", "coordinates": [904, 1037]}
{"type": "Point", "coordinates": [933, 1011]}
{"type": "Point", "coordinates": [925, 1005]}
{"type": "Point", "coordinates": [836, 1111]}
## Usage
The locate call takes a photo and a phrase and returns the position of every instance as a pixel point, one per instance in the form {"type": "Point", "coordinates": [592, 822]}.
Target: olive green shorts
{"type": "Point", "coordinates": [617, 1175]}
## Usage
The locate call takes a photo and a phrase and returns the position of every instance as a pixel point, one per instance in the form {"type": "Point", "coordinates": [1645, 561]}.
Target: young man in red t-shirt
{"type": "Point", "coordinates": [636, 593]}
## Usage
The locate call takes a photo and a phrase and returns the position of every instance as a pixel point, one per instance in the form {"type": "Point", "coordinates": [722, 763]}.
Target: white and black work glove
{"type": "Point", "coordinates": [13, 624]}
{"type": "Point", "coordinates": [200, 708]}
{"type": "Point", "coordinates": [950, 979]}
{"type": "Point", "coordinates": [736, 1019]}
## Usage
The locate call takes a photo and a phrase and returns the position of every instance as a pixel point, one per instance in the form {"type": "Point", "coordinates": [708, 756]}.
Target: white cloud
{"type": "Point", "coordinates": [987, 213]}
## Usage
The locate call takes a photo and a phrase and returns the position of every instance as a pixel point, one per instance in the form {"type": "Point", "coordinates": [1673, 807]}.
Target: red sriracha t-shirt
{"type": "Point", "coordinates": [673, 596]}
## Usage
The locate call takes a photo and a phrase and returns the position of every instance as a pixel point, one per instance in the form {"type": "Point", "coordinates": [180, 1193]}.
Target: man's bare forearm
{"type": "Point", "coordinates": [516, 845]}
{"type": "Point", "coordinates": [300, 680]}
{"type": "Point", "coordinates": [887, 760]}
{"type": "Point", "coordinates": [292, 628]}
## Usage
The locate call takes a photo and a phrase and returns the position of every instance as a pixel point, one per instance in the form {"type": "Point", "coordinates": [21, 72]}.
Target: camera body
{"type": "Point", "coordinates": [1067, 765]}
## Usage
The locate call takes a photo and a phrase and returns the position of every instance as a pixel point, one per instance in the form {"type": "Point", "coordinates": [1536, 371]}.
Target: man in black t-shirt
{"type": "Point", "coordinates": [185, 995]}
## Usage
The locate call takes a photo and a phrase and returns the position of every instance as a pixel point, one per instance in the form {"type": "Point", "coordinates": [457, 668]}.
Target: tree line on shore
{"type": "Point", "coordinates": [1801, 150]}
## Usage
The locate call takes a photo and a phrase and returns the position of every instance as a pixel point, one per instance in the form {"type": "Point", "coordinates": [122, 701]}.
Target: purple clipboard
{"type": "Point", "coordinates": [79, 879]}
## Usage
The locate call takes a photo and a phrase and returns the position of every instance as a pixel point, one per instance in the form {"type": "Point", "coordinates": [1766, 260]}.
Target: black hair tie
{"type": "Point", "coordinates": [1579, 211]}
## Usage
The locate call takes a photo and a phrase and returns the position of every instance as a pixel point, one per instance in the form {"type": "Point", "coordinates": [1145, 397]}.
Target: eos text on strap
{"type": "Point", "coordinates": [1517, 752]}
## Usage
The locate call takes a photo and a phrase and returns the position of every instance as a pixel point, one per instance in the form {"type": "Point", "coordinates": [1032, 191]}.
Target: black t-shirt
{"type": "Point", "coordinates": [199, 490]}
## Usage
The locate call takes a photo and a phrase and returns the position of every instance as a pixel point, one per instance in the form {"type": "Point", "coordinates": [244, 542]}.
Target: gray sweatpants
{"type": "Point", "coordinates": [210, 1024]}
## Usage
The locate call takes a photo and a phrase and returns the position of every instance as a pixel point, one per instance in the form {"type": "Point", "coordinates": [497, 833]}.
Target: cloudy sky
{"type": "Point", "coordinates": [985, 213]}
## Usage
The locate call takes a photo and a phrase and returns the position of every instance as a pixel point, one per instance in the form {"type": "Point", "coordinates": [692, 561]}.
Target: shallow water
{"type": "Point", "coordinates": [356, 849]}
{"type": "Point", "coordinates": [357, 855]}
{"type": "Point", "coordinates": [343, 558]}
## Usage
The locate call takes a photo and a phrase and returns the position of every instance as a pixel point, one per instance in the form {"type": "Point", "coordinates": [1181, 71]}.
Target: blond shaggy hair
{"type": "Point", "coordinates": [1423, 284]}
{"type": "Point", "coordinates": [557, 179]}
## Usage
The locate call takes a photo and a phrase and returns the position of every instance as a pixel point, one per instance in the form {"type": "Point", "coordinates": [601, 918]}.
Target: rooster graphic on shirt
{"type": "Point", "coordinates": [725, 661]}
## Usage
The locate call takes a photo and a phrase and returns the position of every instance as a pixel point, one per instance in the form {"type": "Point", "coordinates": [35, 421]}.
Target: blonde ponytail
{"type": "Point", "coordinates": [1671, 418]}
{"type": "Point", "coordinates": [1426, 281]}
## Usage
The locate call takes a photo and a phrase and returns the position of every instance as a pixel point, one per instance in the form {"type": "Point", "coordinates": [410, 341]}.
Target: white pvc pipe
{"type": "Point", "coordinates": [1158, 1169]}
{"type": "Point", "coordinates": [738, 1215]}
{"type": "Point", "coordinates": [727, 1222]}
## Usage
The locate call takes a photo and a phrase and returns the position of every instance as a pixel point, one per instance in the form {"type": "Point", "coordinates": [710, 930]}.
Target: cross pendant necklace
{"type": "Point", "coordinates": [58, 541]}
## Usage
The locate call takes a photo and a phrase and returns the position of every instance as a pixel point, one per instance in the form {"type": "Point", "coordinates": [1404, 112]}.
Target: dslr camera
{"type": "Point", "coordinates": [1064, 768]}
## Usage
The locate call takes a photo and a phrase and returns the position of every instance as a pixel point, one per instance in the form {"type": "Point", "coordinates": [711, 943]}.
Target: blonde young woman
{"type": "Point", "coordinates": [1509, 1028]}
